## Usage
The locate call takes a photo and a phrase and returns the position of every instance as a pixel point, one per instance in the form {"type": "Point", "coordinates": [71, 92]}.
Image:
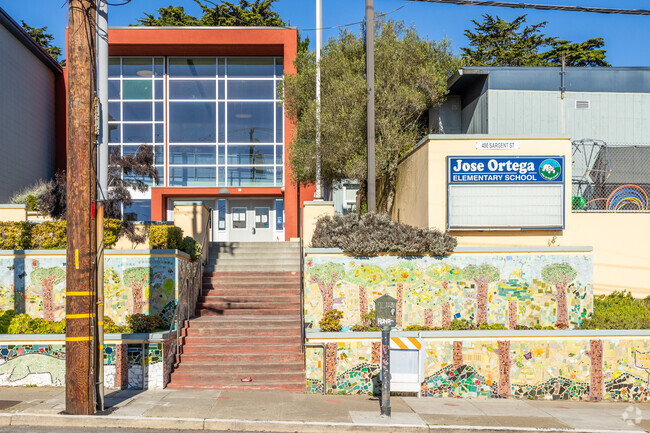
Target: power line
{"type": "Point", "coordinates": [541, 7]}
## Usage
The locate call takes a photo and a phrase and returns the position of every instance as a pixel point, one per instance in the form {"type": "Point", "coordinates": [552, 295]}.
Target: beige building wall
{"type": "Point", "coordinates": [312, 210]}
{"type": "Point", "coordinates": [620, 241]}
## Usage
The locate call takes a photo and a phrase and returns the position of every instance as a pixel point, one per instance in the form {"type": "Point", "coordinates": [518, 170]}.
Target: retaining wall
{"type": "Point", "coordinates": [549, 365]}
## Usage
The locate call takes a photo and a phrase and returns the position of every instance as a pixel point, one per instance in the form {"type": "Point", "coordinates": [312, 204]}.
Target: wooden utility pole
{"type": "Point", "coordinates": [81, 302]}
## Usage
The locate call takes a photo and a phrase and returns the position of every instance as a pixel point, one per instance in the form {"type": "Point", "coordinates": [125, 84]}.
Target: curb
{"type": "Point", "coordinates": [99, 421]}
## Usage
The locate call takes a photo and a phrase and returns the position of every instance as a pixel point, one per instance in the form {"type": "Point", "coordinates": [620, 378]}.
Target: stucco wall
{"type": "Point", "coordinates": [619, 240]}
{"type": "Point", "coordinates": [412, 189]}
{"type": "Point", "coordinates": [27, 93]}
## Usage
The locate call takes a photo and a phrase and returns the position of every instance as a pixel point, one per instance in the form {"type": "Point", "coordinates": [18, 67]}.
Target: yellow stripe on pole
{"type": "Point", "coordinates": [79, 293]}
{"type": "Point", "coordinates": [79, 316]}
{"type": "Point", "coordinates": [399, 343]}
{"type": "Point", "coordinates": [76, 259]}
{"type": "Point", "coordinates": [87, 338]}
{"type": "Point", "coordinates": [100, 323]}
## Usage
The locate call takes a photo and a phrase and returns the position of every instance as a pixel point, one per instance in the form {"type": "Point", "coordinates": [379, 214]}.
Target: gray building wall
{"type": "Point", "coordinates": [616, 118]}
{"type": "Point", "coordinates": [27, 105]}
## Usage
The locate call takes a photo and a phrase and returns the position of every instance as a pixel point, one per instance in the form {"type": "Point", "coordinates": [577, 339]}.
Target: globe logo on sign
{"type": "Point", "coordinates": [550, 169]}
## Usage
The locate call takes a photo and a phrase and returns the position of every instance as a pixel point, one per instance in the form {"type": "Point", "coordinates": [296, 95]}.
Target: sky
{"type": "Point", "coordinates": [626, 36]}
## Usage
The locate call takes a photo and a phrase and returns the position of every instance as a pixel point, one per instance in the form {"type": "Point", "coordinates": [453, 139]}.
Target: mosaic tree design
{"type": "Point", "coordinates": [482, 275]}
{"type": "Point", "coordinates": [138, 280]}
{"type": "Point", "coordinates": [443, 273]}
{"type": "Point", "coordinates": [326, 276]}
{"type": "Point", "coordinates": [404, 272]}
{"type": "Point", "coordinates": [560, 275]}
{"type": "Point", "coordinates": [365, 276]}
{"type": "Point", "coordinates": [44, 280]}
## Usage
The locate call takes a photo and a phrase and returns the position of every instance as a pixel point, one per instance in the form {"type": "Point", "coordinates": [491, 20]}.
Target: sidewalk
{"type": "Point", "coordinates": [294, 412]}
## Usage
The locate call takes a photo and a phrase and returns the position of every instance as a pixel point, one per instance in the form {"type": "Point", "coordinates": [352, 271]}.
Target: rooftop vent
{"type": "Point", "coordinates": [583, 105]}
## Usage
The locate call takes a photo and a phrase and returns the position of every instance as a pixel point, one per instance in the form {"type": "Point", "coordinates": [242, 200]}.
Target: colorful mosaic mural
{"type": "Point", "coordinates": [44, 365]}
{"type": "Point", "coordinates": [549, 369]}
{"type": "Point", "coordinates": [513, 290]}
{"type": "Point", "coordinates": [132, 284]}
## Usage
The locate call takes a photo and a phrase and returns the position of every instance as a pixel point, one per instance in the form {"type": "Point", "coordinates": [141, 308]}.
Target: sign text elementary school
{"type": "Point", "coordinates": [511, 169]}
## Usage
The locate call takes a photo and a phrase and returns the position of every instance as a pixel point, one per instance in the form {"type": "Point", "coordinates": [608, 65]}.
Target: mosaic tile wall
{"type": "Point", "coordinates": [133, 284]}
{"type": "Point", "coordinates": [548, 369]}
{"type": "Point", "coordinates": [44, 365]}
{"type": "Point", "coordinates": [428, 289]}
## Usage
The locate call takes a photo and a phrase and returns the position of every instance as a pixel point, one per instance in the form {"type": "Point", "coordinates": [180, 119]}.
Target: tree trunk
{"type": "Point", "coordinates": [48, 297]}
{"type": "Point", "coordinates": [562, 317]}
{"type": "Point", "coordinates": [481, 303]}
{"type": "Point", "coordinates": [138, 302]}
{"type": "Point", "coordinates": [326, 293]}
{"type": "Point", "coordinates": [512, 315]}
{"type": "Point", "coordinates": [457, 354]}
{"type": "Point", "coordinates": [363, 306]}
{"type": "Point", "coordinates": [400, 306]}
{"type": "Point", "coordinates": [504, 368]}
{"type": "Point", "coordinates": [428, 317]}
{"type": "Point", "coordinates": [446, 315]}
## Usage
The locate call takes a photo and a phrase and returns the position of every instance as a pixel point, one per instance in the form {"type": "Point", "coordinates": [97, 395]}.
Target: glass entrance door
{"type": "Point", "coordinates": [250, 220]}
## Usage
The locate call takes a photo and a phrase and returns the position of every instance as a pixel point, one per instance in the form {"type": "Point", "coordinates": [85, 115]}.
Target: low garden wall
{"type": "Point", "coordinates": [575, 365]}
{"type": "Point", "coordinates": [135, 281]}
{"type": "Point", "coordinates": [513, 287]}
{"type": "Point", "coordinates": [131, 361]}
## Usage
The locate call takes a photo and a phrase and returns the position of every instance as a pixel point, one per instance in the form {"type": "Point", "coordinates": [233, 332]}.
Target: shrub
{"type": "Point", "coordinates": [32, 203]}
{"type": "Point", "coordinates": [165, 237]}
{"type": "Point", "coordinates": [111, 327]}
{"type": "Point", "coordinates": [25, 324]}
{"type": "Point", "coordinates": [492, 327]}
{"type": "Point", "coordinates": [15, 235]}
{"type": "Point", "coordinates": [331, 321]}
{"type": "Point", "coordinates": [619, 310]}
{"type": "Point", "coordinates": [143, 323]}
{"type": "Point", "coordinates": [36, 190]}
{"type": "Point", "coordinates": [5, 320]}
{"type": "Point", "coordinates": [362, 328]}
{"type": "Point", "coordinates": [49, 235]}
{"type": "Point", "coordinates": [460, 325]}
{"type": "Point", "coordinates": [373, 233]}
{"type": "Point", "coordinates": [191, 247]}
{"type": "Point", "coordinates": [112, 229]}
{"type": "Point", "coordinates": [418, 328]}
{"type": "Point", "coordinates": [19, 324]}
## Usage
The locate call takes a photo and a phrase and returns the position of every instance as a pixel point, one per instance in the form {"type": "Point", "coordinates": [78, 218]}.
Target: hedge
{"type": "Point", "coordinates": [165, 237]}
{"type": "Point", "coordinates": [21, 235]}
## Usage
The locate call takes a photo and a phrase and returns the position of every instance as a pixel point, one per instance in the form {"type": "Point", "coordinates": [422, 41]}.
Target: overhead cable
{"type": "Point", "coordinates": [541, 7]}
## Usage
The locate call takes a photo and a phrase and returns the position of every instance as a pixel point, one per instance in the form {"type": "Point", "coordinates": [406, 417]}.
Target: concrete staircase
{"type": "Point", "coordinates": [248, 321]}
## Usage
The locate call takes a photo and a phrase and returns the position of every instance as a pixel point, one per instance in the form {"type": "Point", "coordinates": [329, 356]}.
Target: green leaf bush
{"type": "Point", "coordinates": [25, 324]}
{"type": "Point", "coordinates": [49, 235]}
{"type": "Point", "coordinates": [619, 310]}
{"type": "Point", "coordinates": [143, 323]}
{"type": "Point", "coordinates": [191, 247]}
{"type": "Point", "coordinates": [112, 228]}
{"type": "Point", "coordinates": [5, 320]}
{"type": "Point", "coordinates": [165, 237]}
{"type": "Point", "coordinates": [15, 235]}
{"type": "Point", "coordinates": [375, 233]}
{"type": "Point", "coordinates": [331, 321]}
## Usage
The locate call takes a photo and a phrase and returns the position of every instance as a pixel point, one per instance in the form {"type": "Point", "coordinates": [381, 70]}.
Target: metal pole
{"type": "Point", "coordinates": [318, 194]}
{"type": "Point", "coordinates": [370, 77]}
{"type": "Point", "coordinates": [385, 372]}
{"type": "Point", "coordinates": [102, 186]}
{"type": "Point", "coordinates": [82, 192]}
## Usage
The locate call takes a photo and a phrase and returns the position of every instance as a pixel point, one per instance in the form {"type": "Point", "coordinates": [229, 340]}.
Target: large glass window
{"type": "Point", "coordinates": [136, 112]}
{"type": "Point", "coordinates": [225, 121]}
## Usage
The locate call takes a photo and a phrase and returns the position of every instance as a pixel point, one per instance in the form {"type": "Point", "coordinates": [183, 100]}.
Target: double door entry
{"type": "Point", "coordinates": [247, 220]}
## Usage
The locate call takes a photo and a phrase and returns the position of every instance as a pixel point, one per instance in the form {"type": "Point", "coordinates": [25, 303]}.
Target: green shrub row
{"type": "Point", "coordinates": [22, 235]}
{"type": "Point", "coordinates": [619, 310]}
{"type": "Point", "coordinates": [12, 323]}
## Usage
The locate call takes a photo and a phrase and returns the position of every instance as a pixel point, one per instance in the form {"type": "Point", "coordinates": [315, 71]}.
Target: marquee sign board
{"type": "Point", "coordinates": [505, 192]}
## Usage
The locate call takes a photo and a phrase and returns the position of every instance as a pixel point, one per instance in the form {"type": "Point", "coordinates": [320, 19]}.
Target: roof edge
{"type": "Point", "coordinates": [203, 27]}
{"type": "Point", "coordinates": [17, 31]}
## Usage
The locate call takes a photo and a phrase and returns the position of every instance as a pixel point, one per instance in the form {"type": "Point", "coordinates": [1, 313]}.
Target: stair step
{"type": "Point", "coordinates": [180, 376]}
{"type": "Point", "coordinates": [240, 348]}
{"type": "Point", "coordinates": [246, 267]}
{"type": "Point", "coordinates": [293, 331]}
{"type": "Point", "coordinates": [242, 368]}
{"type": "Point", "coordinates": [244, 341]}
{"type": "Point", "coordinates": [245, 311]}
{"type": "Point", "coordinates": [269, 386]}
{"type": "Point", "coordinates": [255, 305]}
{"type": "Point", "coordinates": [250, 292]}
{"type": "Point", "coordinates": [235, 357]}
{"type": "Point", "coordinates": [268, 297]}
{"type": "Point", "coordinates": [250, 322]}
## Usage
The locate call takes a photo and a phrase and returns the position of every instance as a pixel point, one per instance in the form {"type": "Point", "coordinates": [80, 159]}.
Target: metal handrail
{"type": "Point", "coordinates": [193, 283]}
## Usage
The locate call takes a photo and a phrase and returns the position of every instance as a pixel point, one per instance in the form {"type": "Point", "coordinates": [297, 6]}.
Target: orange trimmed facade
{"type": "Point", "coordinates": [165, 42]}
